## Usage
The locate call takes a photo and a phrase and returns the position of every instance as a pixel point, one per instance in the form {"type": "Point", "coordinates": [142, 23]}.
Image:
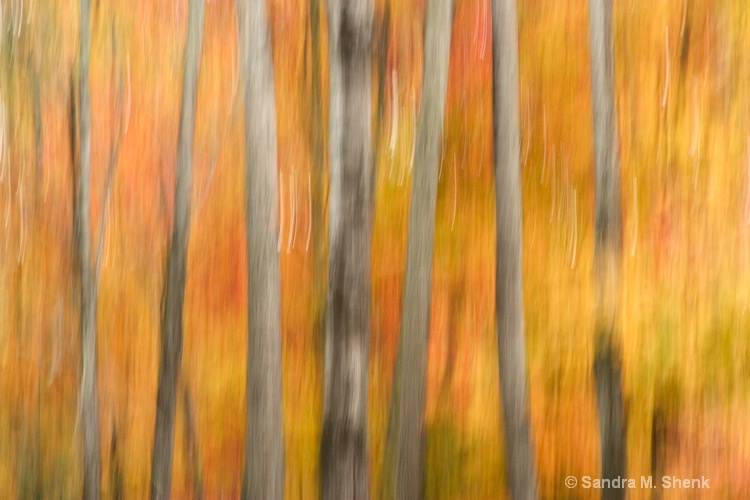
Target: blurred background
{"type": "Point", "coordinates": [683, 103]}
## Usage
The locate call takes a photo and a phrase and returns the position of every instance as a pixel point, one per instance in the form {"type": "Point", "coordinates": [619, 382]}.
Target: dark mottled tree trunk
{"type": "Point", "coordinates": [344, 463]}
{"type": "Point", "coordinates": [607, 249]}
{"type": "Point", "coordinates": [264, 454]}
{"type": "Point", "coordinates": [520, 469]}
{"type": "Point", "coordinates": [174, 287]}
{"type": "Point", "coordinates": [405, 447]}
{"type": "Point", "coordinates": [82, 216]}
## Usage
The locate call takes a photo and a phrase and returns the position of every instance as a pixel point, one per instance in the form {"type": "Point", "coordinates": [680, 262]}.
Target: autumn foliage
{"type": "Point", "coordinates": [683, 99]}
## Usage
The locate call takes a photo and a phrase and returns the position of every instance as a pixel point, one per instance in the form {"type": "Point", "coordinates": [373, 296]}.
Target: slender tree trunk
{"type": "Point", "coordinates": [38, 154]}
{"type": "Point", "coordinates": [405, 447]}
{"type": "Point", "coordinates": [82, 214]}
{"type": "Point", "coordinates": [38, 135]}
{"type": "Point", "coordinates": [317, 177]}
{"type": "Point", "coordinates": [191, 444]}
{"type": "Point", "coordinates": [382, 53]}
{"type": "Point", "coordinates": [658, 450]}
{"type": "Point", "coordinates": [264, 454]}
{"type": "Point", "coordinates": [607, 249]}
{"type": "Point", "coordinates": [520, 468]}
{"type": "Point", "coordinates": [344, 471]}
{"type": "Point", "coordinates": [115, 467]}
{"type": "Point", "coordinates": [174, 293]}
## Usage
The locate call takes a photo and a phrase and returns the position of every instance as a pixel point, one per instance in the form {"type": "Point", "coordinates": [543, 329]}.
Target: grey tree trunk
{"type": "Point", "coordinates": [174, 292]}
{"type": "Point", "coordinates": [82, 218]}
{"type": "Point", "coordinates": [405, 447]}
{"type": "Point", "coordinates": [520, 469]}
{"type": "Point", "coordinates": [344, 471]}
{"type": "Point", "coordinates": [264, 454]}
{"type": "Point", "coordinates": [608, 246]}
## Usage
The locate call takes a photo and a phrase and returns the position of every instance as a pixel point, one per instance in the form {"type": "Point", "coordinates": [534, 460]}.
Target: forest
{"type": "Point", "coordinates": [352, 249]}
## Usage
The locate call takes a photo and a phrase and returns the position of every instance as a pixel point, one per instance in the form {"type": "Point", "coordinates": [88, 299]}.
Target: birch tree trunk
{"type": "Point", "coordinates": [174, 293]}
{"type": "Point", "coordinates": [520, 468]}
{"type": "Point", "coordinates": [82, 218]}
{"type": "Point", "coordinates": [344, 471]}
{"type": "Point", "coordinates": [608, 247]}
{"type": "Point", "coordinates": [264, 453]}
{"type": "Point", "coordinates": [405, 447]}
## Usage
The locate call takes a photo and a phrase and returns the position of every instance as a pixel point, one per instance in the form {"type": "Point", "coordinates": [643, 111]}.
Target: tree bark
{"type": "Point", "coordinates": [174, 293]}
{"type": "Point", "coordinates": [520, 469]}
{"type": "Point", "coordinates": [405, 447]}
{"type": "Point", "coordinates": [608, 247]}
{"type": "Point", "coordinates": [317, 177]}
{"type": "Point", "coordinates": [82, 215]}
{"type": "Point", "coordinates": [116, 479]}
{"type": "Point", "coordinates": [344, 471]}
{"type": "Point", "coordinates": [264, 454]}
{"type": "Point", "coordinates": [193, 465]}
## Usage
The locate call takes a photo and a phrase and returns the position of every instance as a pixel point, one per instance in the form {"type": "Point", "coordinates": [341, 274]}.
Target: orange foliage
{"type": "Point", "coordinates": [683, 120]}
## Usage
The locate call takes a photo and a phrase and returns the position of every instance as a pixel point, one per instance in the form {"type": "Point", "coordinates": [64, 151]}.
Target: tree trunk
{"type": "Point", "coordinates": [193, 464]}
{"type": "Point", "coordinates": [264, 454]}
{"type": "Point", "coordinates": [608, 245]}
{"type": "Point", "coordinates": [174, 292]}
{"type": "Point", "coordinates": [38, 135]}
{"type": "Point", "coordinates": [382, 52]}
{"type": "Point", "coordinates": [520, 470]}
{"type": "Point", "coordinates": [317, 177]}
{"type": "Point", "coordinates": [344, 471]}
{"type": "Point", "coordinates": [116, 480]}
{"type": "Point", "coordinates": [404, 473]}
{"type": "Point", "coordinates": [82, 216]}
